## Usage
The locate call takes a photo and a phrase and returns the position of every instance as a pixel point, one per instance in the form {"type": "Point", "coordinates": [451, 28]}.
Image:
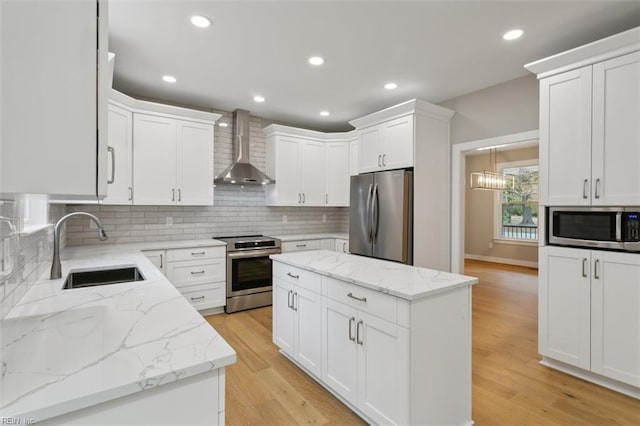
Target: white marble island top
{"type": "Point", "coordinates": [64, 350]}
{"type": "Point", "coordinates": [404, 281]}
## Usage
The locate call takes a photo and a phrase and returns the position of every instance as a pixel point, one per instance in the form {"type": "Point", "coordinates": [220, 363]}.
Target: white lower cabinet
{"type": "Point", "coordinates": [297, 315]}
{"type": "Point", "coordinates": [589, 311]}
{"type": "Point", "coordinates": [157, 257]}
{"type": "Point", "coordinates": [341, 245]}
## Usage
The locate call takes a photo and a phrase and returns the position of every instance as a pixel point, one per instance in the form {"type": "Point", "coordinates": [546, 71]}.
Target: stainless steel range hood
{"type": "Point", "coordinates": [241, 172]}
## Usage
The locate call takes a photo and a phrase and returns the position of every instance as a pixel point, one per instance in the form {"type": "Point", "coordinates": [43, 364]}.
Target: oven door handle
{"type": "Point", "coordinates": [252, 253]}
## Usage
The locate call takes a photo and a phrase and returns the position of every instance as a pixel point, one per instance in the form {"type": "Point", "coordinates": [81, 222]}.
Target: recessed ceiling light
{"type": "Point", "coordinates": [316, 60]}
{"type": "Point", "coordinates": [513, 34]}
{"type": "Point", "coordinates": [258, 98]}
{"type": "Point", "coordinates": [201, 21]}
{"type": "Point", "coordinates": [223, 124]}
{"type": "Point", "coordinates": [169, 78]}
{"type": "Point", "coordinates": [324, 113]}
{"type": "Point", "coordinates": [390, 86]}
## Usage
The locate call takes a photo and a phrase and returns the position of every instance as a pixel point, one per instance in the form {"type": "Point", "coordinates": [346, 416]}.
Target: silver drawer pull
{"type": "Point", "coordinates": [361, 299]}
{"type": "Point", "coordinates": [297, 277]}
{"type": "Point", "coordinates": [197, 272]}
{"type": "Point", "coordinates": [199, 253]}
{"type": "Point", "coordinates": [197, 298]}
{"type": "Point", "coordinates": [301, 245]}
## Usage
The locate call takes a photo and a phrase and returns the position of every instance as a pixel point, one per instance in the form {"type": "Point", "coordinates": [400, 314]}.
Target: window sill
{"type": "Point", "coordinates": [514, 242]}
{"type": "Point", "coordinates": [28, 230]}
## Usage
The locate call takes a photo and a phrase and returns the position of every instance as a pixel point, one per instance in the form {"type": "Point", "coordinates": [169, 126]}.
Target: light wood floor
{"type": "Point", "coordinates": [510, 387]}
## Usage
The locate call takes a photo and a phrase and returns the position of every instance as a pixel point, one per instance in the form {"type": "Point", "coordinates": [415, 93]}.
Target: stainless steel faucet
{"type": "Point", "coordinates": [56, 269]}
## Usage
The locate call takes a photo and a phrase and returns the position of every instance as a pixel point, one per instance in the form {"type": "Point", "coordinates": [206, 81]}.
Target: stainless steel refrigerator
{"type": "Point", "coordinates": [381, 215]}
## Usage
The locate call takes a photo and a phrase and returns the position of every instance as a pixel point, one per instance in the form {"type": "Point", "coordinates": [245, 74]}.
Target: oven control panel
{"type": "Point", "coordinates": [631, 226]}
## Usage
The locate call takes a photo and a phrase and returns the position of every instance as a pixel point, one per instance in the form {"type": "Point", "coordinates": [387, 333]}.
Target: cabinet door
{"type": "Point", "coordinates": [286, 191]}
{"type": "Point", "coordinates": [283, 316]}
{"type": "Point", "coordinates": [564, 305]}
{"type": "Point", "coordinates": [307, 306]}
{"type": "Point", "coordinates": [195, 164]}
{"type": "Point", "coordinates": [354, 157]}
{"type": "Point", "coordinates": [397, 143]}
{"type": "Point", "coordinates": [615, 316]}
{"type": "Point", "coordinates": [157, 257]}
{"type": "Point", "coordinates": [565, 138]}
{"type": "Point", "coordinates": [383, 349]}
{"type": "Point", "coordinates": [154, 160]}
{"type": "Point", "coordinates": [342, 246]}
{"type": "Point", "coordinates": [616, 131]}
{"type": "Point", "coordinates": [370, 155]}
{"type": "Point", "coordinates": [119, 190]}
{"type": "Point", "coordinates": [337, 173]}
{"type": "Point", "coordinates": [312, 173]}
{"type": "Point", "coordinates": [340, 354]}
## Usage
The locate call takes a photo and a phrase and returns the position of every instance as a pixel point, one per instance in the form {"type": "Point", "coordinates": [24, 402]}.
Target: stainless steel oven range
{"type": "Point", "coordinates": [249, 272]}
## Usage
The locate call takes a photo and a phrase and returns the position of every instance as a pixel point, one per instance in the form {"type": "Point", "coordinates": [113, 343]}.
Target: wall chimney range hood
{"type": "Point", "coordinates": [241, 172]}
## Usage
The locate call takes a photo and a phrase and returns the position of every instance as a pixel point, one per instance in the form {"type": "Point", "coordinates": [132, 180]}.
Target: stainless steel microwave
{"type": "Point", "coordinates": [613, 228]}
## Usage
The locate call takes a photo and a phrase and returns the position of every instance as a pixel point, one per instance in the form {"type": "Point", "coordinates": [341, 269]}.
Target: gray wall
{"type": "Point", "coordinates": [479, 213]}
{"type": "Point", "coordinates": [236, 210]}
{"type": "Point", "coordinates": [503, 109]}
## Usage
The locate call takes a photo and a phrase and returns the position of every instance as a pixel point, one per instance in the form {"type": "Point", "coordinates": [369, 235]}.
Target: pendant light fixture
{"type": "Point", "coordinates": [491, 179]}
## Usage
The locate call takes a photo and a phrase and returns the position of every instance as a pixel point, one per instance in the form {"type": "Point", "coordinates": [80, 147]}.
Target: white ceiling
{"type": "Point", "coordinates": [433, 50]}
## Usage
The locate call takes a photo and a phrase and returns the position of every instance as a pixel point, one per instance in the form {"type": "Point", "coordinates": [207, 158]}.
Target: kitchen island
{"type": "Point", "coordinates": [392, 341]}
{"type": "Point", "coordinates": [127, 353]}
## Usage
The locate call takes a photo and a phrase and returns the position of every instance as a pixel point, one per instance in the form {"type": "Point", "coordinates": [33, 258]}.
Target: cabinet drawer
{"type": "Point", "coordinates": [300, 277]}
{"type": "Point", "coordinates": [289, 246]}
{"type": "Point", "coordinates": [372, 302]}
{"type": "Point", "coordinates": [193, 272]}
{"type": "Point", "coordinates": [196, 253]}
{"type": "Point", "coordinates": [207, 297]}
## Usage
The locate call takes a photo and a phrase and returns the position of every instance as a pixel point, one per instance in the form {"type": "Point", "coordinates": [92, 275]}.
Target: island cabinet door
{"type": "Point", "coordinates": [307, 306]}
{"type": "Point", "coordinates": [383, 380]}
{"type": "Point", "coordinates": [340, 352]}
{"type": "Point", "coordinates": [283, 316]}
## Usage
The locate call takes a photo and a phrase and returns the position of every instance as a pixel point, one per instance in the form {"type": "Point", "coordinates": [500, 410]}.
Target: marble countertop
{"type": "Point", "coordinates": [404, 281]}
{"type": "Point", "coordinates": [64, 350]}
{"type": "Point", "coordinates": [298, 237]}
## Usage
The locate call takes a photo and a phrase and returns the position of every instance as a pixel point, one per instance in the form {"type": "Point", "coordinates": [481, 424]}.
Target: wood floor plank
{"type": "Point", "coordinates": [509, 385]}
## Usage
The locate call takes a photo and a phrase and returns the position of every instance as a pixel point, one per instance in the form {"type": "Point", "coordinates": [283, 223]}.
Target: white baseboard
{"type": "Point", "coordinates": [504, 260]}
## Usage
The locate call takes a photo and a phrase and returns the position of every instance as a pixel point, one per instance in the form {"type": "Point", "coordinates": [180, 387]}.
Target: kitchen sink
{"type": "Point", "coordinates": [90, 278]}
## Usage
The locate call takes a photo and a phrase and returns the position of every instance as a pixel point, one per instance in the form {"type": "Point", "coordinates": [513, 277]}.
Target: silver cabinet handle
{"type": "Point", "coordinates": [361, 299]}
{"type": "Point", "coordinates": [197, 298]}
{"type": "Point", "coordinates": [358, 339]}
{"type": "Point", "coordinates": [299, 198]}
{"type": "Point", "coordinates": [596, 272]}
{"type": "Point", "coordinates": [112, 150]}
{"type": "Point", "coordinates": [130, 193]}
{"type": "Point", "coordinates": [584, 267]}
{"type": "Point", "coordinates": [379, 160]}
{"type": "Point", "coordinates": [197, 272]}
{"type": "Point", "coordinates": [584, 189]}
{"type": "Point", "coordinates": [179, 194]}
{"type": "Point", "coordinates": [597, 192]}
{"type": "Point", "coordinates": [197, 253]}
{"type": "Point", "coordinates": [301, 245]}
{"type": "Point", "coordinates": [326, 198]}
{"type": "Point", "coordinates": [304, 198]}
{"type": "Point", "coordinates": [384, 156]}
{"type": "Point", "coordinates": [295, 305]}
{"type": "Point", "coordinates": [293, 276]}
{"type": "Point", "coordinates": [161, 261]}
{"type": "Point", "coordinates": [289, 302]}
{"type": "Point", "coordinates": [352, 320]}
{"type": "Point", "coordinates": [173, 194]}
{"type": "Point", "coordinates": [344, 247]}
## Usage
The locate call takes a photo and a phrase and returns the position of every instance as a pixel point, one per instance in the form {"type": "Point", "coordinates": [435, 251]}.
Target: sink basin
{"type": "Point", "coordinates": [80, 279]}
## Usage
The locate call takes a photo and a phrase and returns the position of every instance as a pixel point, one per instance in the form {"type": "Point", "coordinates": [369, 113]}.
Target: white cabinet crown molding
{"type": "Point", "coordinates": [597, 51]}
{"type": "Point", "coordinates": [280, 130]}
{"type": "Point", "coordinates": [162, 110]}
{"type": "Point", "coordinates": [413, 106]}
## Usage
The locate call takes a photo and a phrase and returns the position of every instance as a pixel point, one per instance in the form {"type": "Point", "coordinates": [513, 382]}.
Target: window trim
{"type": "Point", "coordinates": [497, 206]}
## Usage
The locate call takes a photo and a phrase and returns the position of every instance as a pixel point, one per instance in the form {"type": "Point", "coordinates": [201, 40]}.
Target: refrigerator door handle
{"type": "Point", "coordinates": [369, 195]}
{"type": "Point", "coordinates": [375, 212]}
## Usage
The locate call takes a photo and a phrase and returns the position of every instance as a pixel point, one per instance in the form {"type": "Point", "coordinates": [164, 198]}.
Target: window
{"type": "Point", "coordinates": [517, 208]}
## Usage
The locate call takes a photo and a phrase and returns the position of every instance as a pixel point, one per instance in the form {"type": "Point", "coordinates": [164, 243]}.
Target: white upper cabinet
{"type": "Point", "coordinates": [616, 131]}
{"type": "Point", "coordinates": [589, 126]}
{"type": "Point", "coordinates": [354, 157]}
{"type": "Point", "coordinates": [337, 173]}
{"type": "Point", "coordinates": [310, 168]}
{"type": "Point", "coordinates": [173, 161]}
{"type": "Point", "coordinates": [387, 146]}
{"type": "Point", "coordinates": [119, 159]}
{"type": "Point", "coordinates": [54, 105]}
{"type": "Point", "coordinates": [370, 157]}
